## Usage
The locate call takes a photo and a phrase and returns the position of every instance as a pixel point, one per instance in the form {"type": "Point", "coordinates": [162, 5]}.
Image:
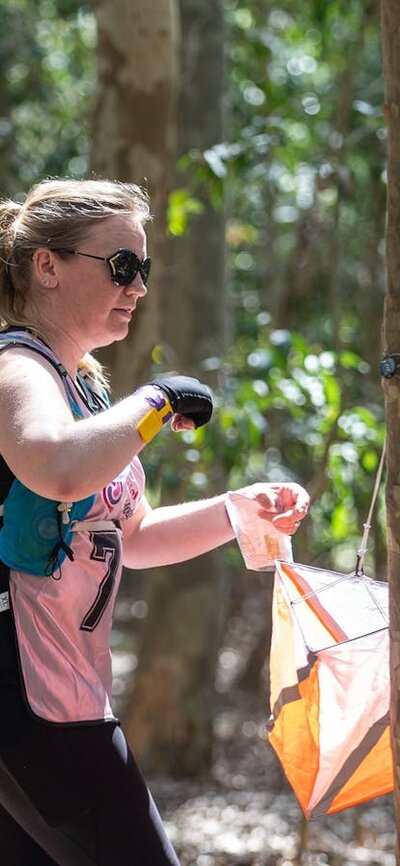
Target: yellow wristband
{"type": "Point", "coordinates": [153, 421]}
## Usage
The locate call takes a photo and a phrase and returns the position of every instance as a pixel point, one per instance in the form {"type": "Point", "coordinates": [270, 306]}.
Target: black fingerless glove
{"type": "Point", "coordinates": [187, 396]}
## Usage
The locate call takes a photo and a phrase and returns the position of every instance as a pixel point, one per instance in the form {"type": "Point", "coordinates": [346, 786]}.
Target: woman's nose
{"type": "Point", "coordinates": [137, 287]}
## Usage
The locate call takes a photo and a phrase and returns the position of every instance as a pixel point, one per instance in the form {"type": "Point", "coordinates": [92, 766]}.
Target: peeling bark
{"type": "Point", "coordinates": [134, 126]}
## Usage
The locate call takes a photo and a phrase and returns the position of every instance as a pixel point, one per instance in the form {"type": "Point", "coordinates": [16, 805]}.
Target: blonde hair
{"type": "Point", "coordinates": [56, 213]}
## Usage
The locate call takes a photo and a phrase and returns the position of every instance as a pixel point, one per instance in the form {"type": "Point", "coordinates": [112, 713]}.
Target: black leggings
{"type": "Point", "coordinates": [73, 796]}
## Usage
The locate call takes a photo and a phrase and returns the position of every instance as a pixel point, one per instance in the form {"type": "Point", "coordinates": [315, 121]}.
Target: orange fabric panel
{"type": "Point", "coordinates": [295, 739]}
{"type": "Point", "coordinates": [309, 690]}
{"type": "Point", "coordinates": [373, 777]}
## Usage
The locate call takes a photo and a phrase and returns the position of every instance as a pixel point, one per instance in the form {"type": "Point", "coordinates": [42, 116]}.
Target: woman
{"type": "Point", "coordinates": [73, 268]}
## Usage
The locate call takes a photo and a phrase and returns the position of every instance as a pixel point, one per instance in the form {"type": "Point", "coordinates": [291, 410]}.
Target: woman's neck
{"type": "Point", "coordinates": [67, 349]}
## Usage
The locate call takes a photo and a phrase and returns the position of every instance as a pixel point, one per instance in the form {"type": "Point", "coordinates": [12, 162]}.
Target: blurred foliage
{"type": "Point", "coordinates": [47, 77]}
{"type": "Point", "coordinates": [284, 411]}
{"type": "Point", "coordinates": [301, 176]}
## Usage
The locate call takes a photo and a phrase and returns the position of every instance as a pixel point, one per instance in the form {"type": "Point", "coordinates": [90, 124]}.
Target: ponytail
{"type": "Point", "coordinates": [9, 212]}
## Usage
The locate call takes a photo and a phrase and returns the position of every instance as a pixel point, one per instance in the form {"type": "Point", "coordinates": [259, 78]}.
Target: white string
{"type": "Point", "coordinates": [367, 526]}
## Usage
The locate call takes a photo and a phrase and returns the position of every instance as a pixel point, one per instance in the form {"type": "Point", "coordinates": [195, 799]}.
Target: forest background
{"type": "Point", "coordinates": [258, 129]}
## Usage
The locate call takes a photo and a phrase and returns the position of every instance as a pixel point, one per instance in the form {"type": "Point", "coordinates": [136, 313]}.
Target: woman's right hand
{"type": "Point", "coordinates": [188, 397]}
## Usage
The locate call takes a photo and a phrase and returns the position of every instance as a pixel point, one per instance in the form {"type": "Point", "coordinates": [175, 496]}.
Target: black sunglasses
{"type": "Point", "coordinates": [124, 265]}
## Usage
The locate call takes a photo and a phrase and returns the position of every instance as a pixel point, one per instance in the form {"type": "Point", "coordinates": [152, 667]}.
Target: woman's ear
{"type": "Point", "coordinates": [45, 267]}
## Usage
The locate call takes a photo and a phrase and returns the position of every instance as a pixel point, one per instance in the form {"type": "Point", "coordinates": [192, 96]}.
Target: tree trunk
{"type": "Point", "coordinates": [197, 257]}
{"type": "Point", "coordinates": [170, 717]}
{"type": "Point", "coordinates": [390, 11]}
{"type": "Point", "coordinates": [169, 720]}
{"type": "Point", "coordinates": [133, 140]}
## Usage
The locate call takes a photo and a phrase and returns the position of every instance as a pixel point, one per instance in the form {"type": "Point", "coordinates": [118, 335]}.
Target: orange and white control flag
{"type": "Point", "coordinates": [330, 691]}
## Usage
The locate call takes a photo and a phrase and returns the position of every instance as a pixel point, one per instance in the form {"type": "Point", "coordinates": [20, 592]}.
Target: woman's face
{"type": "Point", "coordinates": [85, 303]}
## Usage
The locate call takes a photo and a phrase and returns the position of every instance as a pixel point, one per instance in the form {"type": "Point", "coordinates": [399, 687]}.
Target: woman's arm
{"type": "Point", "coordinates": [175, 533]}
{"type": "Point", "coordinates": [50, 452]}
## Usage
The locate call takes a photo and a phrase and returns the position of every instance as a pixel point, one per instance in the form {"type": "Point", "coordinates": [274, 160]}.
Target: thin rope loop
{"type": "Point", "coordinates": [359, 569]}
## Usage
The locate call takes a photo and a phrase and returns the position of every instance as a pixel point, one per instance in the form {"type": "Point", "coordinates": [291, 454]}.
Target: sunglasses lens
{"type": "Point", "coordinates": [145, 269]}
{"type": "Point", "coordinates": [124, 266]}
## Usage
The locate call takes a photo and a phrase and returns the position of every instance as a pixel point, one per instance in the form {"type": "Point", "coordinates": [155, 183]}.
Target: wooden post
{"type": "Point", "coordinates": [390, 22]}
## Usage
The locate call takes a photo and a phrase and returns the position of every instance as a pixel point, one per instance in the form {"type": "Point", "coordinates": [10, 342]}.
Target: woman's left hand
{"type": "Point", "coordinates": [291, 503]}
